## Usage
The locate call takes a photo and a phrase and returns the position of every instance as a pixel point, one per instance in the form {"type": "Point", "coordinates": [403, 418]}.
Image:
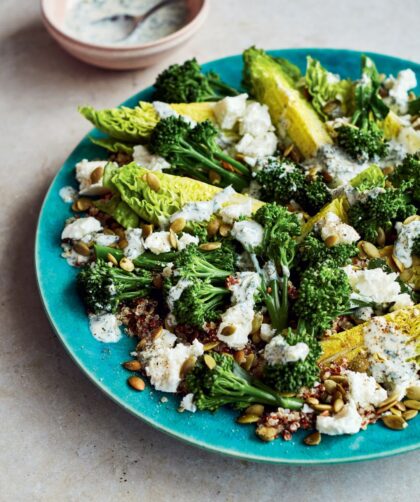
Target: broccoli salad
{"type": "Point", "coordinates": [261, 244]}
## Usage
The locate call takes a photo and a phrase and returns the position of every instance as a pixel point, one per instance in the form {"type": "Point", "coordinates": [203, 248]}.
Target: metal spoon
{"type": "Point", "coordinates": [134, 20]}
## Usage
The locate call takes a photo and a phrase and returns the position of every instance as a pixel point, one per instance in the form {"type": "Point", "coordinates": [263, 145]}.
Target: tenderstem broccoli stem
{"type": "Point", "coordinates": [234, 163]}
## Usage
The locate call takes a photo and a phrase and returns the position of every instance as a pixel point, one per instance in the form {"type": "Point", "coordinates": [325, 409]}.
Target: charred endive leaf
{"type": "Point", "coordinates": [112, 145]}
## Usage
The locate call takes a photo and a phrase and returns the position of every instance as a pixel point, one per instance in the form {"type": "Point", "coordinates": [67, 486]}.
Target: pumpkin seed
{"type": "Point", "coordinates": [330, 386]}
{"type": "Point", "coordinates": [153, 181]}
{"type": "Point", "coordinates": [81, 248]}
{"type": "Point", "coordinates": [83, 204]}
{"type": "Point", "coordinates": [178, 225]}
{"type": "Point", "coordinates": [313, 439]}
{"type": "Point", "coordinates": [257, 322]}
{"type": "Point", "coordinates": [126, 264]}
{"type": "Point", "coordinates": [156, 333]}
{"type": "Point", "coordinates": [111, 258]}
{"type": "Point", "coordinates": [398, 263]}
{"type": "Point", "coordinates": [395, 411]}
{"type": "Point", "coordinates": [388, 403]}
{"type": "Point", "coordinates": [322, 407]}
{"type": "Point", "coordinates": [370, 249]}
{"type": "Point", "coordinates": [172, 239]}
{"type": "Point", "coordinates": [141, 345]}
{"type": "Point", "coordinates": [224, 229]}
{"type": "Point", "coordinates": [213, 227]}
{"type": "Point", "coordinates": [400, 406]}
{"type": "Point", "coordinates": [412, 404]}
{"type": "Point", "coordinates": [287, 394]}
{"type": "Point", "coordinates": [339, 378]}
{"type": "Point", "coordinates": [381, 237]}
{"type": "Point", "coordinates": [108, 231]}
{"type": "Point", "coordinates": [288, 150]}
{"type": "Point", "coordinates": [413, 392]}
{"type": "Point", "coordinates": [248, 419]}
{"type": "Point", "coordinates": [331, 240]}
{"type": "Point", "coordinates": [394, 422]}
{"type": "Point", "coordinates": [249, 359]}
{"type": "Point", "coordinates": [255, 409]}
{"type": "Point", "coordinates": [406, 275]}
{"type": "Point", "coordinates": [228, 330]}
{"type": "Point", "coordinates": [214, 178]}
{"type": "Point", "coordinates": [136, 383]}
{"type": "Point", "coordinates": [388, 170]}
{"type": "Point", "coordinates": [267, 433]}
{"type": "Point", "coordinates": [210, 346]}
{"type": "Point", "coordinates": [133, 365]}
{"type": "Point", "coordinates": [187, 366]}
{"type": "Point", "coordinates": [362, 255]}
{"type": "Point", "coordinates": [410, 219]}
{"type": "Point", "coordinates": [210, 246]}
{"type": "Point", "coordinates": [96, 174]}
{"type": "Point", "coordinates": [312, 401]}
{"type": "Point", "coordinates": [146, 230]}
{"type": "Point", "coordinates": [239, 356]}
{"type": "Point", "coordinates": [410, 414]}
{"type": "Point", "coordinates": [338, 405]}
{"type": "Point", "coordinates": [209, 361]}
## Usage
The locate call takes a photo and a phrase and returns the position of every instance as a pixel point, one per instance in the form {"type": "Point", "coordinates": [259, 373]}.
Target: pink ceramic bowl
{"type": "Point", "coordinates": [120, 57]}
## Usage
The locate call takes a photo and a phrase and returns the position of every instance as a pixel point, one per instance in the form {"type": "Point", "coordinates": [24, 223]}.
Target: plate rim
{"type": "Point", "coordinates": [143, 416]}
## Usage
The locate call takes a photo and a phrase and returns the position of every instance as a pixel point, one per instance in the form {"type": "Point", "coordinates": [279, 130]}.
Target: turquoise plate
{"type": "Point", "coordinates": [102, 362]}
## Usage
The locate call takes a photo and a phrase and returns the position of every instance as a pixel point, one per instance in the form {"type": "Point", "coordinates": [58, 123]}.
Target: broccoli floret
{"type": "Point", "coordinates": [364, 143]}
{"type": "Point", "coordinates": [408, 172]}
{"type": "Point", "coordinates": [323, 294]}
{"type": "Point", "coordinates": [191, 263]}
{"type": "Point", "coordinates": [198, 229]}
{"type": "Point", "coordinates": [186, 83]}
{"type": "Point", "coordinates": [104, 288]}
{"type": "Point", "coordinates": [217, 380]}
{"type": "Point", "coordinates": [282, 180]}
{"type": "Point", "coordinates": [312, 252]}
{"type": "Point", "coordinates": [176, 141]}
{"type": "Point", "coordinates": [200, 302]}
{"type": "Point", "coordinates": [224, 258]}
{"type": "Point", "coordinates": [278, 246]}
{"type": "Point", "coordinates": [147, 260]}
{"type": "Point", "coordinates": [383, 210]}
{"type": "Point", "coordinates": [295, 375]}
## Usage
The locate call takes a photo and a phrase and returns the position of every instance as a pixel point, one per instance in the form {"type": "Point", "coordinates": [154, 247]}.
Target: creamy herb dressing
{"type": "Point", "coordinates": [82, 15]}
{"type": "Point", "coordinates": [68, 194]}
{"type": "Point", "coordinates": [403, 247]}
{"type": "Point", "coordinates": [105, 328]}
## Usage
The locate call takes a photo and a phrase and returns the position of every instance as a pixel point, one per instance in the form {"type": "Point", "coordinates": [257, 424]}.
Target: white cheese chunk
{"type": "Point", "coordinates": [399, 87]}
{"type": "Point", "coordinates": [364, 390]}
{"type": "Point", "coordinates": [256, 120]}
{"type": "Point", "coordinates": [248, 233]}
{"type": "Point", "coordinates": [229, 110]}
{"type": "Point", "coordinates": [245, 287]}
{"type": "Point", "coordinates": [331, 224]}
{"type": "Point", "coordinates": [240, 316]}
{"type": "Point", "coordinates": [278, 351]}
{"type": "Point", "coordinates": [175, 292]}
{"type": "Point", "coordinates": [158, 242]}
{"type": "Point", "coordinates": [187, 403]}
{"type": "Point", "coordinates": [135, 243]}
{"type": "Point", "coordinates": [84, 169]}
{"type": "Point", "coordinates": [233, 212]}
{"type": "Point", "coordinates": [81, 227]}
{"type": "Point", "coordinates": [347, 421]}
{"type": "Point", "coordinates": [68, 194]}
{"type": "Point", "coordinates": [105, 239]}
{"type": "Point", "coordinates": [185, 240]}
{"type": "Point", "coordinates": [144, 158]}
{"type": "Point", "coordinates": [266, 332]}
{"type": "Point", "coordinates": [105, 327]}
{"type": "Point", "coordinates": [257, 147]}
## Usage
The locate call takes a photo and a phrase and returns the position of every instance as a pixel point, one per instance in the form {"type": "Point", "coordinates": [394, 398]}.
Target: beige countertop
{"type": "Point", "coordinates": [60, 438]}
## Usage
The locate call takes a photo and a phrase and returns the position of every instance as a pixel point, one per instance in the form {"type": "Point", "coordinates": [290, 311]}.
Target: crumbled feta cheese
{"type": "Point", "coordinates": [331, 224]}
{"type": "Point", "coordinates": [163, 360]}
{"type": "Point", "coordinates": [229, 110]}
{"type": "Point", "coordinates": [68, 194]}
{"type": "Point", "coordinates": [278, 351]}
{"type": "Point", "coordinates": [105, 239]}
{"type": "Point", "coordinates": [144, 158]}
{"type": "Point", "coordinates": [187, 403]}
{"type": "Point", "coordinates": [164, 110]}
{"type": "Point", "coordinates": [73, 259]}
{"type": "Point", "coordinates": [105, 327]}
{"type": "Point", "coordinates": [347, 421]}
{"type": "Point", "coordinates": [248, 233]}
{"type": "Point", "coordinates": [185, 240]}
{"type": "Point", "coordinates": [270, 271]}
{"type": "Point", "coordinates": [266, 332]}
{"type": "Point", "coordinates": [81, 227]}
{"type": "Point", "coordinates": [260, 146]}
{"type": "Point", "coordinates": [240, 316]}
{"type": "Point", "coordinates": [403, 300]}
{"type": "Point", "coordinates": [403, 246]}
{"type": "Point", "coordinates": [363, 313]}
{"type": "Point", "coordinates": [135, 243]}
{"type": "Point", "coordinates": [338, 164]}
{"type": "Point", "coordinates": [245, 287]}
{"type": "Point", "coordinates": [364, 390]}
{"type": "Point", "coordinates": [254, 189]}
{"type": "Point", "coordinates": [391, 358]}
{"type": "Point", "coordinates": [409, 139]}
{"type": "Point", "coordinates": [176, 291]}
{"type": "Point", "coordinates": [84, 169]}
{"type": "Point", "coordinates": [256, 120]}
{"type": "Point", "coordinates": [158, 242]}
{"type": "Point", "coordinates": [399, 87]}
{"type": "Point", "coordinates": [353, 195]}
{"type": "Point", "coordinates": [235, 211]}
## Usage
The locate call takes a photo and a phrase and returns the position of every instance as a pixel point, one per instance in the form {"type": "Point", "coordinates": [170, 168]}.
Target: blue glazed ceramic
{"type": "Point", "coordinates": [102, 362]}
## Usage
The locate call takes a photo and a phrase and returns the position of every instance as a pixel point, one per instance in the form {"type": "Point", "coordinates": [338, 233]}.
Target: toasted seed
{"type": "Point", "coordinates": [400, 406]}
{"type": "Point", "coordinates": [83, 204]}
{"type": "Point", "coordinates": [267, 433]}
{"type": "Point", "coordinates": [288, 150]}
{"type": "Point", "coordinates": [255, 409]}
{"type": "Point", "coordinates": [210, 346]}
{"type": "Point", "coordinates": [412, 404]}
{"type": "Point", "coordinates": [126, 264]}
{"type": "Point", "coordinates": [398, 263]}
{"type": "Point", "coordinates": [406, 275]}
{"type": "Point", "coordinates": [153, 181]}
{"type": "Point", "coordinates": [410, 219]}
{"type": "Point", "coordinates": [338, 405]}
{"type": "Point", "coordinates": [249, 359]}
{"type": "Point", "coordinates": [224, 229]}
{"type": "Point", "coordinates": [228, 330]}
{"type": "Point", "coordinates": [213, 227]}
{"type": "Point", "coordinates": [141, 345]}
{"type": "Point", "coordinates": [239, 356]}
{"type": "Point", "coordinates": [395, 411]}
{"type": "Point", "coordinates": [136, 383]}
{"type": "Point", "coordinates": [322, 407]}
{"type": "Point", "coordinates": [389, 400]}
{"type": "Point", "coordinates": [187, 366]}
{"type": "Point", "coordinates": [178, 225]}
{"type": "Point", "coordinates": [257, 322]}
{"type": "Point", "coordinates": [370, 249]}
{"type": "Point", "coordinates": [214, 177]}
{"type": "Point", "coordinates": [156, 333]}
{"type": "Point", "coordinates": [339, 378]}
{"type": "Point", "coordinates": [362, 255]}
{"type": "Point", "coordinates": [313, 439]}
{"type": "Point", "coordinates": [331, 240]}
{"type": "Point", "coordinates": [172, 239]}
{"type": "Point", "coordinates": [394, 422]}
{"type": "Point", "coordinates": [146, 230]}
{"type": "Point", "coordinates": [133, 365]}
{"type": "Point", "coordinates": [123, 243]}
{"type": "Point", "coordinates": [248, 419]}
{"type": "Point", "coordinates": [81, 248]}
{"type": "Point", "coordinates": [341, 390]}
{"type": "Point", "coordinates": [112, 259]}
{"type": "Point", "coordinates": [287, 394]}
{"type": "Point", "coordinates": [312, 401]}
{"type": "Point", "coordinates": [210, 246]}
{"type": "Point", "coordinates": [413, 392]}
{"type": "Point", "coordinates": [210, 362]}
{"type": "Point", "coordinates": [108, 231]}
{"type": "Point", "coordinates": [381, 237]}
{"type": "Point", "coordinates": [388, 170]}
{"type": "Point", "coordinates": [330, 386]}
{"type": "Point", "coordinates": [409, 414]}
{"type": "Point", "coordinates": [96, 174]}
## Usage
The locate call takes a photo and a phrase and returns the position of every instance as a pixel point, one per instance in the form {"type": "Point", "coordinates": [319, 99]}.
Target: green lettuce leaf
{"type": "Point", "coordinates": [119, 210]}
{"type": "Point", "coordinates": [290, 69]}
{"type": "Point", "coordinates": [112, 145]}
{"type": "Point", "coordinates": [325, 87]}
{"type": "Point", "coordinates": [371, 177]}
{"type": "Point", "coordinates": [125, 124]}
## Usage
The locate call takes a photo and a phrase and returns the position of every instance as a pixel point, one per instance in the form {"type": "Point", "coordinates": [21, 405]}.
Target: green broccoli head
{"type": "Point", "coordinates": [191, 263]}
{"type": "Point", "coordinates": [365, 143]}
{"type": "Point", "coordinates": [103, 287]}
{"type": "Point", "coordinates": [323, 294]}
{"type": "Point", "coordinates": [408, 172]}
{"type": "Point", "coordinates": [383, 210]}
{"type": "Point", "coordinates": [295, 375]}
{"type": "Point", "coordinates": [187, 83]}
{"type": "Point", "coordinates": [217, 380]}
{"type": "Point", "coordinates": [314, 196]}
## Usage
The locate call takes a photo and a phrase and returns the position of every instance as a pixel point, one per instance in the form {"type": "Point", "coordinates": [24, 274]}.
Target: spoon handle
{"type": "Point", "coordinates": [139, 19]}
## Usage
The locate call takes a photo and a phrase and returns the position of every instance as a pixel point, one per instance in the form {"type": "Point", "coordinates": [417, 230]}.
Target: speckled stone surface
{"type": "Point", "coordinates": [60, 438]}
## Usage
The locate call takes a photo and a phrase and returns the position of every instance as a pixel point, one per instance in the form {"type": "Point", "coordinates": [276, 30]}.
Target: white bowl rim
{"type": "Point", "coordinates": [109, 47]}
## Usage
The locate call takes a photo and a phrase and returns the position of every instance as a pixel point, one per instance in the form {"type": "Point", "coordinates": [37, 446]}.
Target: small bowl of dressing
{"type": "Point", "coordinates": [110, 33]}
